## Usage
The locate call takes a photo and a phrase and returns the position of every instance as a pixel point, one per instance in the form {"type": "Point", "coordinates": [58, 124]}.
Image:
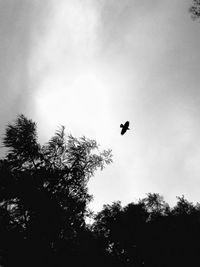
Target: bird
{"type": "Point", "coordinates": [124, 127]}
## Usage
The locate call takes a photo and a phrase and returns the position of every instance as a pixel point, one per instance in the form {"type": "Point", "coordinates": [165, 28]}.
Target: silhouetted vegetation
{"type": "Point", "coordinates": [44, 202]}
{"type": "Point", "coordinates": [150, 233]}
{"type": "Point", "coordinates": [195, 9]}
{"type": "Point", "coordinates": [44, 195]}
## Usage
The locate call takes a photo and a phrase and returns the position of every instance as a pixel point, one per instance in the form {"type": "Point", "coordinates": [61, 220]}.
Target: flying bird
{"type": "Point", "coordinates": [124, 127]}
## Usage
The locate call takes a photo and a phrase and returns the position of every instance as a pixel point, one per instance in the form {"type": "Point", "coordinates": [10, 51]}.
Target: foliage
{"type": "Point", "coordinates": [44, 202]}
{"type": "Point", "coordinates": [43, 189]}
{"type": "Point", "coordinates": [150, 233]}
{"type": "Point", "coordinates": [195, 9]}
{"type": "Point", "coordinates": [155, 205]}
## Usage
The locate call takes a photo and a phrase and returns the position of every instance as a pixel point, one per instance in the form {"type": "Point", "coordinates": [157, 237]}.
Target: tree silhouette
{"type": "Point", "coordinates": [44, 202]}
{"type": "Point", "coordinates": [195, 9]}
{"type": "Point", "coordinates": [150, 233]}
{"type": "Point", "coordinates": [43, 191]}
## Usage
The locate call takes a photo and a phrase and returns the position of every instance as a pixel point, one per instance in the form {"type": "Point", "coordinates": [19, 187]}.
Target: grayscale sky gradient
{"type": "Point", "coordinates": [93, 64]}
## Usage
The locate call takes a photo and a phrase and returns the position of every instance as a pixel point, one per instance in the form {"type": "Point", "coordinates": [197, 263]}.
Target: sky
{"type": "Point", "coordinates": [93, 64]}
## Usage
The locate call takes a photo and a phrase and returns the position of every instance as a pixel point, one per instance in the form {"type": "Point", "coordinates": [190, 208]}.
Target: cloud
{"type": "Point", "coordinates": [17, 24]}
{"type": "Point", "coordinates": [99, 63]}
{"type": "Point", "coordinates": [91, 65]}
{"type": "Point", "coordinates": [152, 51]}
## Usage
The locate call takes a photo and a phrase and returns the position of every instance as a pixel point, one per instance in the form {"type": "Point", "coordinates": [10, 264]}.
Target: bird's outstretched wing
{"type": "Point", "coordinates": [126, 125]}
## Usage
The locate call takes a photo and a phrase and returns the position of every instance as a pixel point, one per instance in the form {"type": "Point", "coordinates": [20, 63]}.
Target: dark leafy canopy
{"type": "Point", "coordinates": [43, 189]}
{"type": "Point", "coordinates": [21, 140]}
{"type": "Point", "coordinates": [149, 233]}
{"type": "Point", "coordinates": [43, 205]}
{"type": "Point", "coordinates": [195, 9]}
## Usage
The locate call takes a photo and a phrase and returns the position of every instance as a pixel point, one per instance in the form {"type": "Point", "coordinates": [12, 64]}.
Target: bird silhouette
{"type": "Point", "coordinates": [124, 127]}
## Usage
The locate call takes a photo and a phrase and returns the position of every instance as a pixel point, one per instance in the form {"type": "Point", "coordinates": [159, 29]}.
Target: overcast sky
{"type": "Point", "coordinates": [93, 64]}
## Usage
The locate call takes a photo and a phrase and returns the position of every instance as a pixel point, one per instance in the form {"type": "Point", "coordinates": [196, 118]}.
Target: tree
{"type": "Point", "coordinates": [44, 188]}
{"type": "Point", "coordinates": [195, 9]}
{"type": "Point", "coordinates": [149, 233]}
{"type": "Point", "coordinates": [183, 207]}
{"type": "Point", "coordinates": [122, 232]}
{"type": "Point", "coordinates": [155, 205]}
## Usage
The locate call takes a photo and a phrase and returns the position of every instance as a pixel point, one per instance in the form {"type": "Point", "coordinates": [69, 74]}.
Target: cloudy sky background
{"type": "Point", "coordinates": [92, 64]}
